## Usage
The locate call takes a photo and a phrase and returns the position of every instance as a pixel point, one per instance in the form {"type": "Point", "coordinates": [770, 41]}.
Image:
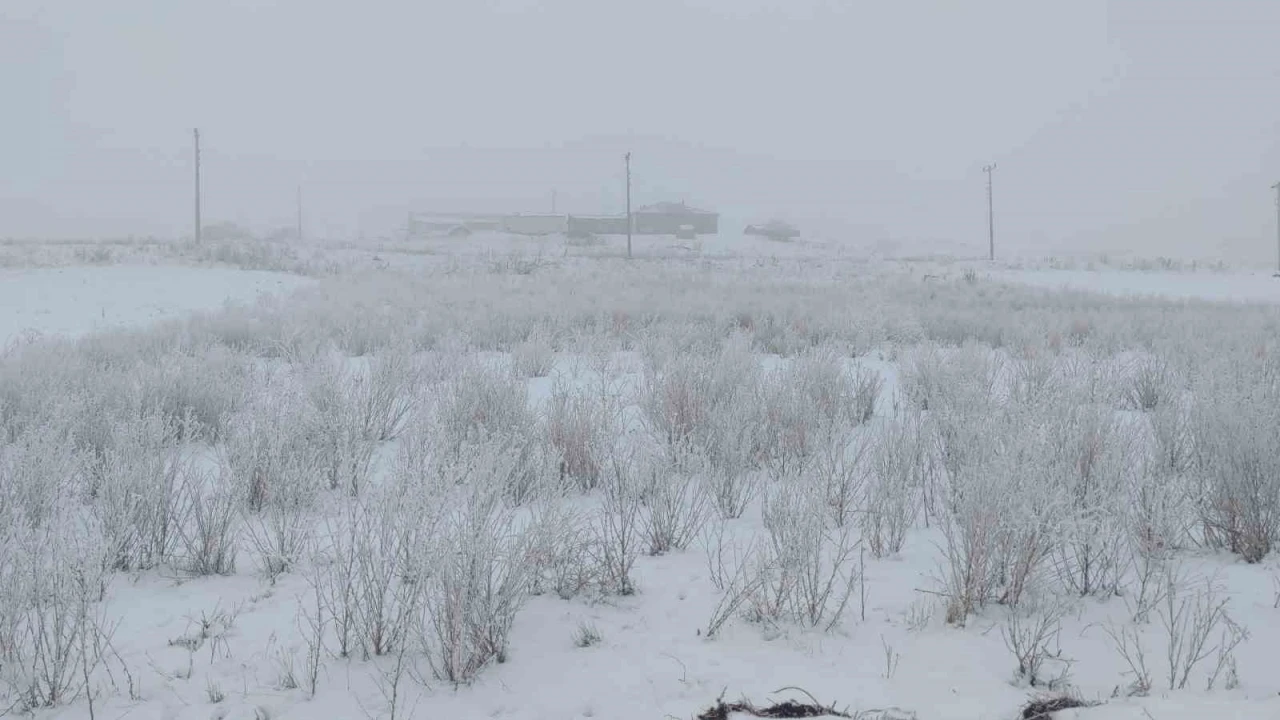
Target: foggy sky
{"type": "Point", "coordinates": [1128, 125]}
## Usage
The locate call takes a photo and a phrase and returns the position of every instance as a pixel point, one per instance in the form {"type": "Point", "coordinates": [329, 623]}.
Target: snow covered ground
{"type": "Point", "coordinates": [240, 643]}
{"type": "Point", "coordinates": [1240, 287]}
{"type": "Point", "coordinates": [71, 301]}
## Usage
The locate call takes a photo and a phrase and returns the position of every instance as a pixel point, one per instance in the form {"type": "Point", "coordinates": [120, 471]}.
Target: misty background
{"type": "Point", "coordinates": [1141, 126]}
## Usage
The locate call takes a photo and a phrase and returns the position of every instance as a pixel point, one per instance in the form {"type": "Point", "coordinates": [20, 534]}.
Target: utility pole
{"type": "Point", "coordinates": [628, 158]}
{"type": "Point", "coordinates": [553, 201]}
{"type": "Point", "coordinates": [1276, 187]}
{"type": "Point", "coordinates": [991, 215]}
{"type": "Point", "coordinates": [197, 138]}
{"type": "Point", "coordinates": [299, 213]}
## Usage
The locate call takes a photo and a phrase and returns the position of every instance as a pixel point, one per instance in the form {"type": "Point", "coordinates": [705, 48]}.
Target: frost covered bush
{"type": "Point", "coordinates": [270, 448]}
{"type": "Point", "coordinates": [535, 356]}
{"type": "Point", "coordinates": [137, 499]}
{"type": "Point", "coordinates": [803, 404]}
{"type": "Point", "coordinates": [209, 525]}
{"type": "Point", "coordinates": [618, 530]}
{"type": "Point", "coordinates": [337, 434]}
{"type": "Point", "coordinates": [806, 573]}
{"type": "Point", "coordinates": [687, 400]}
{"type": "Point", "coordinates": [1238, 496]}
{"type": "Point", "coordinates": [580, 431]}
{"type": "Point", "coordinates": [1150, 382]}
{"type": "Point", "coordinates": [898, 475]}
{"type": "Point", "coordinates": [478, 580]}
{"type": "Point", "coordinates": [481, 402]}
{"type": "Point", "coordinates": [1091, 459]}
{"type": "Point", "coordinates": [51, 619]}
{"type": "Point", "coordinates": [675, 506]}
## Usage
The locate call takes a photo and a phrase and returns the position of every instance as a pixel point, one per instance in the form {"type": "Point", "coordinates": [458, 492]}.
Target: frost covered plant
{"type": "Point", "coordinates": [51, 621]}
{"type": "Point", "coordinates": [618, 525]}
{"type": "Point", "coordinates": [1031, 635]}
{"type": "Point", "coordinates": [269, 446]}
{"type": "Point", "coordinates": [1091, 460]}
{"type": "Point", "coordinates": [687, 400]}
{"type": "Point", "coordinates": [207, 534]}
{"type": "Point", "coordinates": [579, 430]}
{"type": "Point", "coordinates": [806, 573]}
{"type": "Point", "coordinates": [675, 507]}
{"type": "Point", "coordinates": [1238, 500]}
{"type": "Point", "coordinates": [389, 394]}
{"type": "Point", "coordinates": [477, 583]}
{"type": "Point", "coordinates": [137, 500]}
{"type": "Point", "coordinates": [893, 497]}
{"type": "Point", "coordinates": [1150, 382]}
{"type": "Point", "coordinates": [535, 356]}
{"type": "Point", "coordinates": [481, 402]}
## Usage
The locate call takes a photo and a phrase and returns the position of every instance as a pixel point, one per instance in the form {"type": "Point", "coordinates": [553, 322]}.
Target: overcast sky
{"type": "Point", "coordinates": [1124, 124]}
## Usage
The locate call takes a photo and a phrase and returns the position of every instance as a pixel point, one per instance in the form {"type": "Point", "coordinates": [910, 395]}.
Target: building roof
{"type": "Point", "coordinates": [671, 208]}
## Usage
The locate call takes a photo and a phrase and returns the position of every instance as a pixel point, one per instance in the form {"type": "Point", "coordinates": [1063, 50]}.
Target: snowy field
{"type": "Point", "coordinates": [72, 301]}
{"type": "Point", "coordinates": [520, 479]}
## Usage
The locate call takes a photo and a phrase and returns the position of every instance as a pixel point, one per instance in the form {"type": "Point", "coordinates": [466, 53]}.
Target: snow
{"type": "Point", "coordinates": [73, 301]}
{"type": "Point", "coordinates": [1240, 287]}
{"type": "Point", "coordinates": [652, 661]}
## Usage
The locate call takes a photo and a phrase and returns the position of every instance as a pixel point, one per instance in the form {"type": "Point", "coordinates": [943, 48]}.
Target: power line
{"type": "Point", "coordinates": [1276, 187]}
{"type": "Point", "coordinates": [196, 133]}
{"type": "Point", "coordinates": [991, 215]}
{"type": "Point", "coordinates": [628, 161]}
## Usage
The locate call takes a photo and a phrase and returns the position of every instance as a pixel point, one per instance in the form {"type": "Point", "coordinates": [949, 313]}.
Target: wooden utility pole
{"type": "Point", "coordinates": [1276, 187]}
{"type": "Point", "coordinates": [991, 216]}
{"type": "Point", "coordinates": [628, 159]}
{"type": "Point", "coordinates": [299, 213]}
{"type": "Point", "coordinates": [196, 132]}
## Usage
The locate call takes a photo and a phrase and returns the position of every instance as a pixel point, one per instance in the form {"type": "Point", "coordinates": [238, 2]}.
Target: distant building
{"type": "Point", "coordinates": [585, 225]}
{"type": "Point", "coordinates": [666, 218]}
{"type": "Point", "coordinates": [774, 230]}
{"type": "Point", "coordinates": [535, 224]}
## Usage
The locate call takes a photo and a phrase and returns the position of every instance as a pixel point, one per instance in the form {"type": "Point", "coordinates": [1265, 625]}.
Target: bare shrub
{"type": "Point", "coordinates": [137, 501]}
{"type": "Point", "coordinates": [384, 537]}
{"type": "Point", "coordinates": [268, 448]}
{"type": "Point", "coordinates": [197, 391]}
{"type": "Point", "coordinates": [867, 386]}
{"type": "Point", "coordinates": [477, 584]}
{"type": "Point", "coordinates": [341, 416]}
{"type": "Point", "coordinates": [1031, 635]}
{"type": "Point", "coordinates": [389, 393]}
{"type": "Point", "coordinates": [971, 525]}
{"type": "Point", "coordinates": [803, 405]}
{"type": "Point", "coordinates": [675, 507]}
{"type": "Point", "coordinates": [618, 530]}
{"type": "Point", "coordinates": [1090, 457]}
{"type": "Point", "coordinates": [579, 429]}
{"type": "Point", "coordinates": [807, 574]}
{"type": "Point", "coordinates": [50, 622]}
{"type": "Point", "coordinates": [1158, 520]}
{"type": "Point", "coordinates": [481, 402]}
{"type": "Point", "coordinates": [687, 399]}
{"type": "Point", "coordinates": [207, 532]}
{"type": "Point", "coordinates": [1189, 619]}
{"type": "Point", "coordinates": [1238, 498]}
{"type": "Point", "coordinates": [535, 356]}
{"type": "Point", "coordinates": [1034, 375]}
{"type": "Point", "coordinates": [734, 572]}
{"type": "Point", "coordinates": [1172, 435]}
{"type": "Point", "coordinates": [1150, 382]}
{"type": "Point", "coordinates": [898, 475]}
{"type": "Point", "coordinates": [560, 552]}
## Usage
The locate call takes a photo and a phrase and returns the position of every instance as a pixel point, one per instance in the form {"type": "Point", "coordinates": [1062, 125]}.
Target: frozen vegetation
{"type": "Point", "coordinates": [532, 481]}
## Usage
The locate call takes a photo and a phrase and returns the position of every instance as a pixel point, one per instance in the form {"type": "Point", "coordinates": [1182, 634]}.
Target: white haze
{"type": "Point", "coordinates": [1144, 126]}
